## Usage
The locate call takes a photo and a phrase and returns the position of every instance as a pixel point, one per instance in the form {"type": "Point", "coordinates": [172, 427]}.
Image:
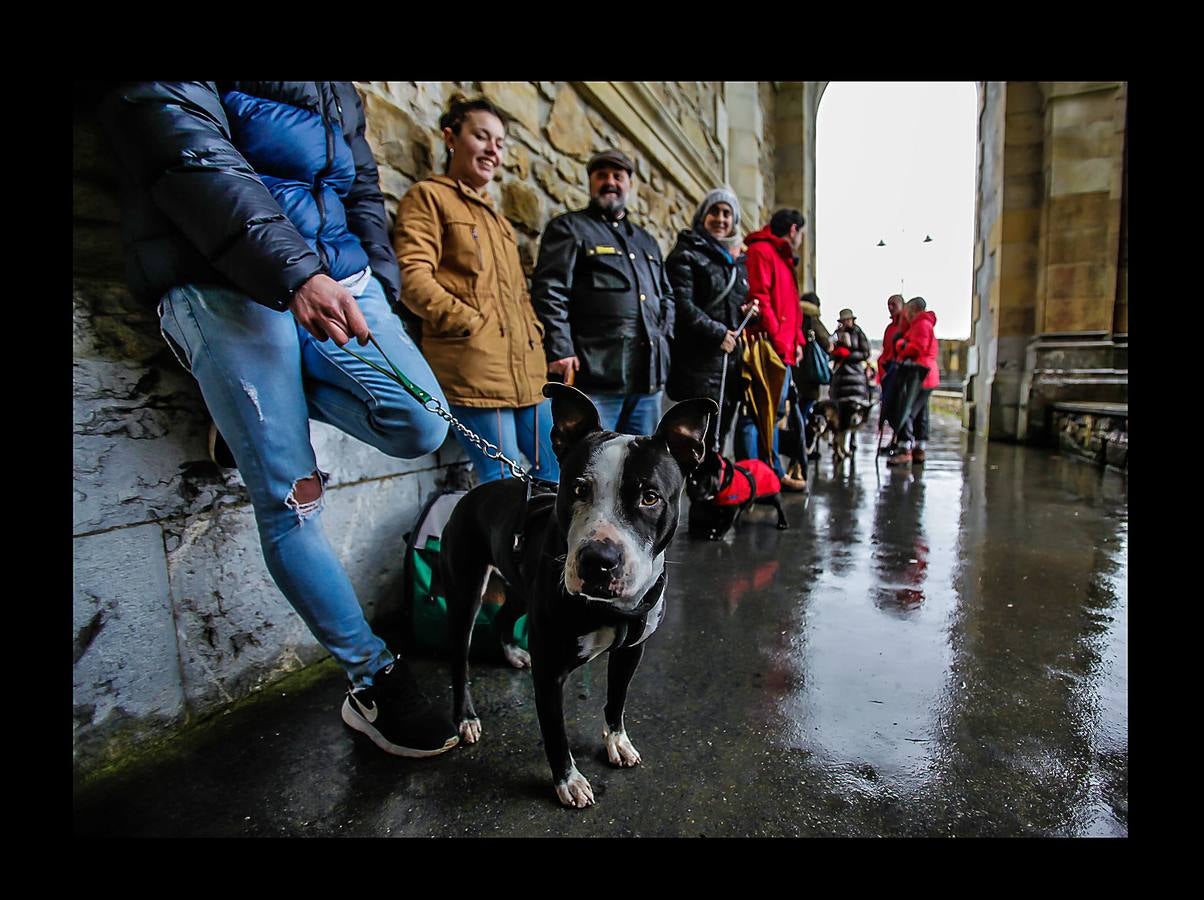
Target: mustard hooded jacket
{"type": "Point", "coordinates": [461, 274]}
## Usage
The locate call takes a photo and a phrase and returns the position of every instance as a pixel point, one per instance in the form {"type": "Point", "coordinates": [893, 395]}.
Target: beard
{"type": "Point", "coordinates": [611, 202]}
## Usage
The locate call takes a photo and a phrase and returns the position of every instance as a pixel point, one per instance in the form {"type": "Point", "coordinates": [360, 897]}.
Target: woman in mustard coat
{"type": "Point", "coordinates": [461, 274]}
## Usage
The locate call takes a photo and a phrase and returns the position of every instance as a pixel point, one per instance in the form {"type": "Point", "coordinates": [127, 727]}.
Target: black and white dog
{"type": "Point", "coordinates": [590, 571]}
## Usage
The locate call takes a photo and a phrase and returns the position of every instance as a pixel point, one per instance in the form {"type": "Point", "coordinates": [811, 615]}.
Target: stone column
{"type": "Point", "coordinates": [789, 160]}
{"type": "Point", "coordinates": [746, 129]}
{"type": "Point", "coordinates": [795, 107]}
{"type": "Point", "coordinates": [1005, 259]}
{"type": "Point", "coordinates": [1072, 356]}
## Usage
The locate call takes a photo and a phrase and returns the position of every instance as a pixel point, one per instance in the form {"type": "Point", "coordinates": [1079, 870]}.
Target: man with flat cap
{"type": "Point", "coordinates": [601, 291]}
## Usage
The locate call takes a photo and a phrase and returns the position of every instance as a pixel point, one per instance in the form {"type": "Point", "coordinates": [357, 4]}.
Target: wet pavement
{"type": "Point", "coordinates": [934, 651]}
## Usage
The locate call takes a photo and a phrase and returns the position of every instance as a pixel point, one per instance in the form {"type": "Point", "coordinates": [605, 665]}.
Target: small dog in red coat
{"type": "Point", "coordinates": [720, 491]}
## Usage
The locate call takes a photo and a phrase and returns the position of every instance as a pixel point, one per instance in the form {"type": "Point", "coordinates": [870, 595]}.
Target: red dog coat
{"type": "Point", "coordinates": [738, 492]}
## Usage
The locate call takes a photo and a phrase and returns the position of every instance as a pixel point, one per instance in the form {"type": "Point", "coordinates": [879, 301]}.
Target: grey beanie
{"type": "Point", "coordinates": [719, 195]}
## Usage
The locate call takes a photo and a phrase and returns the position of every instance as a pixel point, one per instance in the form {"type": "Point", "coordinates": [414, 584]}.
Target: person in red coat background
{"type": "Point", "coordinates": [886, 359]}
{"type": "Point", "coordinates": [771, 280]}
{"type": "Point", "coordinates": [919, 345]}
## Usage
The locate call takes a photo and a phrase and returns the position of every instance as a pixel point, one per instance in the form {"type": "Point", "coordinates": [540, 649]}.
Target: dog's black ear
{"type": "Point", "coordinates": [683, 427]}
{"type": "Point", "coordinates": [573, 417]}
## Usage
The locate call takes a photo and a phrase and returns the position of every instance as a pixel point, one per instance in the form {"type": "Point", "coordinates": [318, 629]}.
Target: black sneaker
{"type": "Point", "coordinates": [397, 717]}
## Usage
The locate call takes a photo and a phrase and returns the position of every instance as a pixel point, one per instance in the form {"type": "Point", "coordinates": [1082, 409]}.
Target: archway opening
{"type": "Point", "coordinates": [895, 184]}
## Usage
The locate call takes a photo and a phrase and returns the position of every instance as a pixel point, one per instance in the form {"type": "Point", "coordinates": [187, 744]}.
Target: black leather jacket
{"type": "Point", "coordinates": [601, 291]}
{"type": "Point", "coordinates": [195, 211]}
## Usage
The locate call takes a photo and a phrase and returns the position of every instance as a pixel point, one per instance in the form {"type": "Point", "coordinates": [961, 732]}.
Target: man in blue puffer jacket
{"type": "Point", "coordinates": [253, 214]}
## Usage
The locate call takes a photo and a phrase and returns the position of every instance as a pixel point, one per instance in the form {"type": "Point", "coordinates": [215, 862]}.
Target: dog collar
{"type": "Point", "coordinates": [651, 597]}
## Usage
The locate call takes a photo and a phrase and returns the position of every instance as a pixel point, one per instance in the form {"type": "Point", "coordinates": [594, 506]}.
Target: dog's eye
{"type": "Point", "coordinates": [649, 498]}
{"type": "Point", "coordinates": [580, 489]}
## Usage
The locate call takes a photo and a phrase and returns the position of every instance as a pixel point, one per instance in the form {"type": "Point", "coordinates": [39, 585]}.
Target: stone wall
{"type": "Point", "coordinates": [1051, 285]}
{"type": "Point", "coordinates": [174, 613]}
{"type": "Point", "coordinates": [1083, 169]}
{"type": "Point", "coordinates": [555, 127]}
{"type": "Point", "coordinates": [1094, 432]}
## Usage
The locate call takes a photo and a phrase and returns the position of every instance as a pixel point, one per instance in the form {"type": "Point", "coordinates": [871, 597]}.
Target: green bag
{"type": "Point", "coordinates": [424, 603]}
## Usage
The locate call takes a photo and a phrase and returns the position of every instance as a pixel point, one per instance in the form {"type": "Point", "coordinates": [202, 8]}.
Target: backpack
{"type": "Point", "coordinates": [424, 606]}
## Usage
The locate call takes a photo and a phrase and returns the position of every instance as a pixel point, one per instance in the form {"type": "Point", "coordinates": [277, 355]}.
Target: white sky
{"type": "Point", "coordinates": [895, 162]}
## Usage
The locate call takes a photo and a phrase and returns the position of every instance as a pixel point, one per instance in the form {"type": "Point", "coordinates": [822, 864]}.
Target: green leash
{"type": "Point", "coordinates": [430, 404]}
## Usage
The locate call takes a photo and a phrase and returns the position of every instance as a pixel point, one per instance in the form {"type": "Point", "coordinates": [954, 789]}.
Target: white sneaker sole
{"type": "Point", "coordinates": [356, 721]}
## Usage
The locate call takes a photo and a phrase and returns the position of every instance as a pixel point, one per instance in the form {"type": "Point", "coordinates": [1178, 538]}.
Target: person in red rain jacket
{"type": "Point", "coordinates": [886, 359]}
{"type": "Point", "coordinates": [771, 280]}
{"type": "Point", "coordinates": [919, 344]}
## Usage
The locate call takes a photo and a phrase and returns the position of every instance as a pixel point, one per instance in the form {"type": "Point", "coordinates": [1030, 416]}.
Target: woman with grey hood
{"type": "Point", "coordinates": [710, 287]}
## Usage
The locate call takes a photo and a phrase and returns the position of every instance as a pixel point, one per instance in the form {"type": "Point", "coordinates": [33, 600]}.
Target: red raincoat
{"type": "Point", "coordinates": [771, 280]}
{"type": "Point", "coordinates": [896, 328]}
{"type": "Point", "coordinates": [737, 494]}
{"type": "Point", "coordinates": [920, 345]}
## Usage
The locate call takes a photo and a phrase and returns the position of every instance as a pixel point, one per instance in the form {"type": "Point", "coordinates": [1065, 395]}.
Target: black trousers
{"type": "Point", "coordinates": [916, 426]}
{"type": "Point", "coordinates": [887, 393]}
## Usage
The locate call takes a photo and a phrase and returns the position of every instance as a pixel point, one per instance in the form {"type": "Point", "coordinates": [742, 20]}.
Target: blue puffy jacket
{"type": "Point", "coordinates": [256, 184]}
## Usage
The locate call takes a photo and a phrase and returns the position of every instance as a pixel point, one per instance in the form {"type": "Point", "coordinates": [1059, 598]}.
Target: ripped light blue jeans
{"type": "Point", "coordinates": [263, 378]}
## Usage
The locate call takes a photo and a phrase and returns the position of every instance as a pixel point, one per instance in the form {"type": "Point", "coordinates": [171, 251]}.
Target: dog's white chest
{"type": "Point", "coordinates": [651, 621]}
{"type": "Point", "coordinates": [595, 642]}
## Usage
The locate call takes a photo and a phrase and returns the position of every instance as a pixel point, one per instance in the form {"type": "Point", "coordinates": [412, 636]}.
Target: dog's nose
{"type": "Point", "coordinates": [599, 561]}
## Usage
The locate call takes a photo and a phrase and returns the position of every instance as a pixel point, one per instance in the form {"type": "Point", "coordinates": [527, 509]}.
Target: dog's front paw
{"type": "Point", "coordinates": [470, 730]}
{"type": "Point", "coordinates": [517, 656]}
{"type": "Point", "coordinates": [620, 749]}
{"type": "Point", "coordinates": [575, 790]}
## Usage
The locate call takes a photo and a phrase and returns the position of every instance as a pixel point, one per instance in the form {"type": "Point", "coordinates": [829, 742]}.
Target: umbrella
{"type": "Point", "coordinates": [763, 376]}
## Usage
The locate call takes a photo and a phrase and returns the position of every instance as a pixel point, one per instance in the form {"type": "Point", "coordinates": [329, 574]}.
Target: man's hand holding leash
{"type": "Point", "coordinates": [326, 309]}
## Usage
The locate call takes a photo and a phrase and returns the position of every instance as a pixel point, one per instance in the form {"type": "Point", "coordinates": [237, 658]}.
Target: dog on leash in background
{"type": "Point", "coordinates": [838, 421]}
{"type": "Point", "coordinates": [587, 564]}
{"type": "Point", "coordinates": [720, 491]}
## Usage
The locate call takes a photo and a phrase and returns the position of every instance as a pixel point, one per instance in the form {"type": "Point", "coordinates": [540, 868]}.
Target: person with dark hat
{"type": "Point", "coordinates": [606, 304]}
{"type": "Point", "coordinates": [850, 350]}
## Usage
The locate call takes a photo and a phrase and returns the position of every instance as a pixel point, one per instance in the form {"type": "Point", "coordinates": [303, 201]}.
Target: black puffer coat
{"type": "Point", "coordinates": [699, 274]}
{"type": "Point", "coordinates": [256, 185]}
{"type": "Point", "coordinates": [848, 376]}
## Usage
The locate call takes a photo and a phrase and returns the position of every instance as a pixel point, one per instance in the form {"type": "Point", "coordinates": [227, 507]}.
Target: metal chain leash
{"type": "Point", "coordinates": [491, 451]}
{"type": "Point", "coordinates": [430, 404]}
